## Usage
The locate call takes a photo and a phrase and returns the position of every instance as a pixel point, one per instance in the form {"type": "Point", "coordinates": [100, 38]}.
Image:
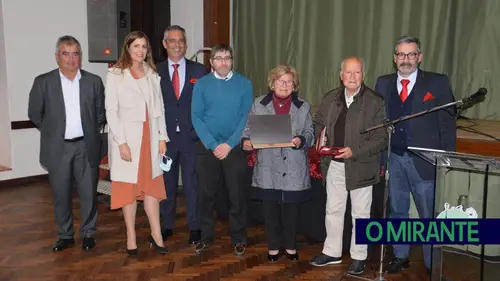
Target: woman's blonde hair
{"type": "Point", "coordinates": [281, 70]}
{"type": "Point", "coordinates": [125, 61]}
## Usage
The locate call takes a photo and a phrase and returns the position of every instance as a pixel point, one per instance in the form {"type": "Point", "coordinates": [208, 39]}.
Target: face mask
{"type": "Point", "coordinates": [165, 166]}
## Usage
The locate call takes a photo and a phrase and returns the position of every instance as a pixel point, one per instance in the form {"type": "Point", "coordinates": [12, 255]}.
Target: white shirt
{"type": "Point", "coordinates": [181, 70]}
{"type": "Point", "coordinates": [412, 78]}
{"type": "Point", "coordinates": [229, 75]}
{"type": "Point", "coordinates": [350, 99]}
{"type": "Point", "coordinates": [71, 93]}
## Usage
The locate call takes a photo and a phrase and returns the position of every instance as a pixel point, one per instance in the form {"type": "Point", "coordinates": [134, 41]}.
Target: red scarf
{"type": "Point", "coordinates": [282, 105]}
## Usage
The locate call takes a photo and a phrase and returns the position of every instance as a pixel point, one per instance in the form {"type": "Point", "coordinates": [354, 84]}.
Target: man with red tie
{"type": "Point", "coordinates": [409, 91]}
{"type": "Point", "coordinates": [178, 76]}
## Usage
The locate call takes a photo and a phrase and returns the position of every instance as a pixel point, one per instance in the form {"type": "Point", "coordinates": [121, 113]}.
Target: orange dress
{"type": "Point", "coordinates": [123, 194]}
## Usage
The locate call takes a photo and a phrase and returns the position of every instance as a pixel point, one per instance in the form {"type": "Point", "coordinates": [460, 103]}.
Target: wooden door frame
{"type": "Point", "coordinates": [216, 24]}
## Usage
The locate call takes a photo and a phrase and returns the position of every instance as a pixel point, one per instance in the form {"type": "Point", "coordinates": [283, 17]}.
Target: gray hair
{"type": "Point", "coordinates": [172, 28]}
{"type": "Point", "coordinates": [68, 40]}
{"type": "Point", "coordinates": [407, 39]}
{"type": "Point", "coordinates": [357, 58]}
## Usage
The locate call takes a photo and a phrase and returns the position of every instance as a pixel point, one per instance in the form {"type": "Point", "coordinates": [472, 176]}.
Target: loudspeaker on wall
{"type": "Point", "coordinates": [108, 22]}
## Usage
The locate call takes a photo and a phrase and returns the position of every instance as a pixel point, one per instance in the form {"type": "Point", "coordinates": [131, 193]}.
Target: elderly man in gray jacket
{"type": "Point", "coordinates": [346, 112]}
{"type": "Point", "coordinates": [281, 175]}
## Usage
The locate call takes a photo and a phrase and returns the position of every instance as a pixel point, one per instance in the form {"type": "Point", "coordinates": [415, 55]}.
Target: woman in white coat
{"type": "Point", "coordinates": [137, 137]}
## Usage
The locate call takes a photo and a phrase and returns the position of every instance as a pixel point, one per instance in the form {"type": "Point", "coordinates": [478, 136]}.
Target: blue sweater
{"type": "Point", "coordinates": [220, 108]}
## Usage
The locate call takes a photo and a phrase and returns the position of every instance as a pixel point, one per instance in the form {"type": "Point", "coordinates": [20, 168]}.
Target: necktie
{"type": "Point", "coordinates": [175, 81]}
{"type": "Point", "coordinates": [404, 91]}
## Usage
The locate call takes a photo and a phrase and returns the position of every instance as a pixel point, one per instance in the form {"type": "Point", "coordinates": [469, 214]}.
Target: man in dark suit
{"type": "Point", "coordinates": [408, 91]}
{"type": "Point", "coordinates": [67, 106]}
{"type": "Point", "coordinates": [178, 78]}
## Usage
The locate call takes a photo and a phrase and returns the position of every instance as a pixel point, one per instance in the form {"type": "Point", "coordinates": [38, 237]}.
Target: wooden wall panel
{"type": "Point", "coordinates": [487, 148]}
{"type": "Point", "coordinates": [216, 27]}
{"type": "Point", "coordinates": [19, 125]}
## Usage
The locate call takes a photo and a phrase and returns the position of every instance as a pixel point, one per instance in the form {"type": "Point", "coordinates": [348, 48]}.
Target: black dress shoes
{"type": "Point", "coordinates": [166, 232]}
{"type": "Point", "coordinates": [63, 244]}
{"type": "Point", "coordinates": [88, 244]}
{"type": "Point", "coordinates": [292, 257]}
{"type": "Point", "coordinates": [397, 265]}
{"type": "Point", "coordinates": [273, 258]}
{"type": "Point", "coordinates": [194, 236]}
{"type": "Point", "coordinates": [202, 246]}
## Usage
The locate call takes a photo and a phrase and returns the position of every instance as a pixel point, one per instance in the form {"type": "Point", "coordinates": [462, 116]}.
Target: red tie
{"type": "Point", "coordinates": [404, 92]}
{"type": "Point", "coordinates": [175, 81]}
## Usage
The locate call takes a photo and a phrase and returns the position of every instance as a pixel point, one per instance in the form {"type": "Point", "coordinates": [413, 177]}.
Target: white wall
{"type": "Point", "coordinates": [30, 30]}
{"type": "Point", "coordinates": [5, 159]}
{"type": "Point", "coordinates": [189, 15]}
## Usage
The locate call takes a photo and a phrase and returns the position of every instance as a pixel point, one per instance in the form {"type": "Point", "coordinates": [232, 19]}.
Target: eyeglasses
{"type": "Point", "coordinates": [410, 56]}
{"type": "Point", "coordinates": [172, 41]}
{"type": "Point", "coordinates": [219, 59]}
{"type": "Point", "coordinates": [285, 83]}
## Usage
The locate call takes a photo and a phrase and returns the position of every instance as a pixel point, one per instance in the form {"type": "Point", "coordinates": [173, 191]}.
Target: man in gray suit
{"type": "Point", "coordinates": [67, 106]}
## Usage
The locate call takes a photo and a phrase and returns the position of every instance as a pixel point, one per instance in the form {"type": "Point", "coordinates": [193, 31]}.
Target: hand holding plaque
{"type": "Point", "coordinates": [247, 145]}
{"type": "Point", "coordinates": [270, 131]}
{"type": "Point", "coordinates": [323, 149]}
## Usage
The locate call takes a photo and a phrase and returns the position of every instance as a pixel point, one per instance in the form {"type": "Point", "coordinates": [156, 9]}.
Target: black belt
{"type": "Point", "coordinates": [74, 139]}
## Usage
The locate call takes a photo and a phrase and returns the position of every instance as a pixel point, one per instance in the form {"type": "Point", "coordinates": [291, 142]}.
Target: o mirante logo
{"type": "Point", "coordinates": [452, 226]}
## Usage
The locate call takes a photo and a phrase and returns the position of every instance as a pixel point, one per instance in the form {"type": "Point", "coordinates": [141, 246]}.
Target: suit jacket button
{"type": "Point", "coordinates": [284, 158]}
{"type": "Point", "coordinates": [284, 174]}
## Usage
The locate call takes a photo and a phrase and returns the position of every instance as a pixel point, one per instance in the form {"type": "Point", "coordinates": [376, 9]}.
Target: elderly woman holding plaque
{"type": "Point", "coordinates": [281, 174]}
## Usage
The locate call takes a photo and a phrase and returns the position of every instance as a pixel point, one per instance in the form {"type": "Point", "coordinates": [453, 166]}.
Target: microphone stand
{"type": "Point", "coordinates": [389, 126]}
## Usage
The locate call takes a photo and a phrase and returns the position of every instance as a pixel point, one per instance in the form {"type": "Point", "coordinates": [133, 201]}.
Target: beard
{"type": "Point", "coordinates": [406, 67]}
{"type": "Point", "coordinates": [223, 71]}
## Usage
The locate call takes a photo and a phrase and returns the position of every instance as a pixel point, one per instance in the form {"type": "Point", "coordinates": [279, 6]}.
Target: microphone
{"type": "Point", "coordinates": [477, 96]}
{"type": "Point", "coordinates": [468, 101]}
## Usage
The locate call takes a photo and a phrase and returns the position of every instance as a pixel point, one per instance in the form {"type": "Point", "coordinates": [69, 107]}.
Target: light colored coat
{"type": "Point", "coordinates": [284, 169]}
{"type": "Point", "coordinates": [126, 114]}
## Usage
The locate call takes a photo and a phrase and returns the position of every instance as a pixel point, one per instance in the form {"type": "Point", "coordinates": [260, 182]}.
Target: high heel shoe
{"type": "Point", "coordinates": [158, 249]}
{"type": "Point", "coordinates": [132, 252]}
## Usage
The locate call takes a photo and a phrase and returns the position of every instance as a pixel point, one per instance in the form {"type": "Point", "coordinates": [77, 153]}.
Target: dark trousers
{"type": "Point", "coordinates": [209, 169]}
{"type": "Point", "coordinates": [74, 168]}
{"type": "Point", "coordinates": [187, 161]}
{"type": "Point", "coordinates": [281, 221]}
{"type": "Point", "coordinates": [404, 179]}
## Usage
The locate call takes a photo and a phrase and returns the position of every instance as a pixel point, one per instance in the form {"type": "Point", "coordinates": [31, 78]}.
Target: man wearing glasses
{"type": "Point", "coordinates": [67, 106]}
{"type": "Point", "coordinates": [220, 107]}
{"type": "Point", "coordinates": [409, 91]}
{"type": "Point", "coordinates": [179, 75]}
